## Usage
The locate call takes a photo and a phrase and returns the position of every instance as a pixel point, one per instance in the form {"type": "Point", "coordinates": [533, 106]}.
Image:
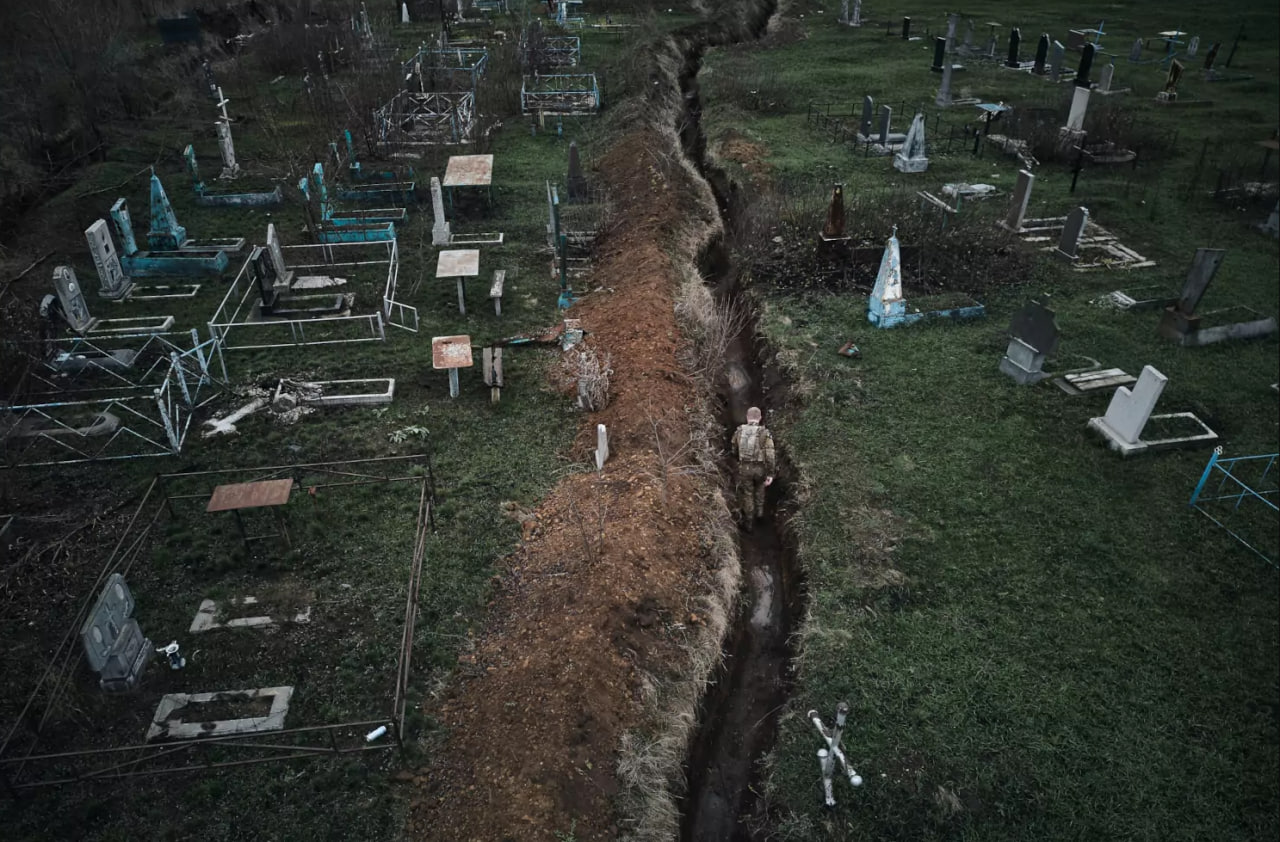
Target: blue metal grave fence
{"type": "Point", "coordinates": [1243, 502]}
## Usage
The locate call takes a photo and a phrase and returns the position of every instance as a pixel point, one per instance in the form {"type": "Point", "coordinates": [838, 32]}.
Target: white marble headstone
{"type": "Point", "coordinates": [1129, 409]}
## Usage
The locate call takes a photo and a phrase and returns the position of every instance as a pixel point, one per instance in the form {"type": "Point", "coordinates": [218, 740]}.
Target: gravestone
{"type": "Point", "coordinates": [440, 235]}
{"type": "Point", "coordinates": [576, 183]}
{"type": "Point", "coordinates": [114, 645]}
{"type": "Point", "coordinates": [886, 306]}
{"type": "Point", "coordinates": [193, 169]}
{"type": "Point", "coordinates": [284, 275]}
{"type": "Point", "coordinates": [939, 53]}
{"type": "Point", "coordinates": [602, 446]}
{"type": "Point", "coordinates": [262, 272]}
{"type": "Point", "coordinates": [165, 234]}
{"type": "Point", "coordinates": [1075, 40]}
{"type": "Point", "coordinates": [124, 227]}
{"type": "Point", "coordinates": [856, 18]}
{"type": "Point", "coordinates": [968, 36]}
{"type": "Point", "coordinates": [1170, 92]}
{"type": "Point", "coordinates": [1180, 318]}
{"type": "Point", "coordinates": [833, 228]}
{"type": "Point", "coordinates": [71, 297]}
{"type": "Point", "coordinates": [906, 29]}
{"type": "Point", "coordinates": [1079, 105]}
{"type": "Point", "coordinates": [1212, 55]}
{"type": "Point", "coordinates": [944, 90]}
{"type": "Point", "coordinates": [1130, 409]}
{"type": "Point", "coordinates": [491, 368]}
{"type": "Point", "coordinates": [1069, 244]}
{"type": "Point", "coordinates": [868, 111]}
{"type": "Point", "coordinates": [1057, 57]}
{"type": "Point", "coordinates": [1042, 55]}
{"type": "Point", "coordinates": [1015, 39]}
{"type": "Point", "coordinates": [1135, 52]}
{"type": "Point", "coordinates": [991, 45]}
{"type": "Point", "coordinates": [844, 11]}
{"type": "Point", "coordinates": [230, 169]}
{"type": "Point", "coordinates": [1018, 201]}
{"type": "Point", "coordinates": [1104, 79]}
{"type": "Point", "coordinates": [1033, 335]}
{"type": "Point", "coordinates": [911, 157]}
{"type": "Point", "coordinates": [1085, 65]}
{"type": "Point", "coordinates": [404, 13]}
{"type": "Point", "coordinates": [953, 21]}
{"type": "Point", "coordinates": [1193, 47]}
{"type": "Point", "coordinates": [886, 114]}
{"type": "Point", "coordinates": [113, 282]}
{"type": "Point", "coordinates": [1272, 225]}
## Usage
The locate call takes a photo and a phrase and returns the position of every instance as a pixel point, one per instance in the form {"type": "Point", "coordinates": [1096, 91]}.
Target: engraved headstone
{"type": "Point", "coordinates": [114, 645]}
{"type": "Point", "coordinates": [440, 235]}
{"type": "Point", "coordinates": [1072, 231]}
{"type": "Point", "coordinates": [230, 169]}
{"type": "Point", "coordinates": [124, 227]}
{"type": "Point", "coordinates": [71, 297]}
{"type": "Point", "coordinates": [113, 282]}
{"type": "Point", "coordinates": [1033, 335]}
{"type": "Point", "coordinates": [911, 157]}
{"type": "Point", "coordinates": [1193, 46]}
{"type": "Point", "coordinates": [193, 169]}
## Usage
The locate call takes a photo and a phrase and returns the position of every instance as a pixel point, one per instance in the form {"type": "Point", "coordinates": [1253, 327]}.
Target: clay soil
{"type": "Point", "coordinates": [602, 592]}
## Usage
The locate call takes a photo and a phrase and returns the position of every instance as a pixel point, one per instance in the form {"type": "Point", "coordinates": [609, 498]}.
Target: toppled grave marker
{"type": "Point", "coordinates": [1091, 382]}
{"type": "Point", "coordinates": [1129, 414]}
{"type": "Point", "coordinates": [114, 645]}
{"type": "Point", "coordinates": [266, 708]}
{"type": "Point", "coordinates": [213, 615]}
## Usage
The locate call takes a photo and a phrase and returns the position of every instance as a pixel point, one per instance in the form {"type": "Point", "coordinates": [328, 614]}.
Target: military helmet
{"type": "Point", "coordinates": [753, 414]}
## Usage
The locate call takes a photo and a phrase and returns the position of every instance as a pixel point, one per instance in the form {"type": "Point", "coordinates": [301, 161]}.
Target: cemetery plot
{"type": "Point", "coordinates": [411, 122]}
{"type": "Point", "coordinates": [560, 94]}
{"type": "Point", "coordinates": [299, 653]}
{"type": "Point", "coordinates": [1097, 247]}
{"type": "Point", "coordinates": [365, 274]}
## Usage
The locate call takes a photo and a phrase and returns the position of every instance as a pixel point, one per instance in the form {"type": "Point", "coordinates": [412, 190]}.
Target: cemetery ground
{"type": "Point", "coordinates": [1037, 638]}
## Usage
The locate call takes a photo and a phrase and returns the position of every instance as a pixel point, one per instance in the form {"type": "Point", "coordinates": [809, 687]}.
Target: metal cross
{"type": "Point", "coordinates": [828, 756]}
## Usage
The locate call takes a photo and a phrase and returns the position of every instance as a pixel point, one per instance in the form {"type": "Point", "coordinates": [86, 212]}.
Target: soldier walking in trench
{"type": "Point", "coordinates": [753, 445]}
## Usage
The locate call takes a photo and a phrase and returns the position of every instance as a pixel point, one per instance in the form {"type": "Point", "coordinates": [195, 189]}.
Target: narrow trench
{"type": "Point", "coordinates": [737, 718]}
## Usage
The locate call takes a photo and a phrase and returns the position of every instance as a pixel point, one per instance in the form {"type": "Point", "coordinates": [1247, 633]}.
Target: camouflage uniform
{"type": "Point", "coordinates": [753, 445]}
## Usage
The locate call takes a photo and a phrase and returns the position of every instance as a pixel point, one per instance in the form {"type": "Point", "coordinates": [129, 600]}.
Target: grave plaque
{"type": "Point", "coordinates": [113, 282]}
{"type": "Point", "coordinates": [71, 297]}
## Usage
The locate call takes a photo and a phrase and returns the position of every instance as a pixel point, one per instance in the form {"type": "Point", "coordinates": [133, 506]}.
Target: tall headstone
{"type": "Point", "coordinates": [886, 305]}
{"type": "Point", "coordinates": [284, 275]}
{"type": "Point", "coordinates": [1069, 244]}
{"type": "Point", "coordinates": [1135, 52]}
{"type": "Point", "coordinates": [124, 227]}
{"type": "Point", "coordinates": [1203, 267]}
{"type": "Point", "coordinates": [1130, 409]}
{"type": "Point", "coordinates": [868, 112]}
{"type": "Point", "coordinates": [1085, 65]}
{"type": "Point", "coordinates": [856, 18]}
{"type": "Point", "coordinates": [939, 54]}
{"type": "Point", "coordinates": [165, 234]}
{"type": "Point", "coordinates": [440, 235]}
{"type": "Point", "coordinates": [1042, 55]}
{"type": "Point", "coordinates": [230, 169]}
{"type": "Point", "coordinates": [113, 282]}
{"type": "Point", "coordinates": [1057, 57]}
{"type": "Point", "coordinates": [1018, 201]}
{"type": "Point", "coordinates": [404, 13]}
{"type": "Point", "coordinates": [944, 90]}
{"type": "Point", "coordinates": [1193, 46]}
{"type": "Point", "coordinates": [1170, 92]}
{"type": "Point", "coordinates": [911, 157]}
{"type": "Point", "coordinates": [1015, 39]}
{"type": "Point", "coordinates": [886, 114]}
{"type": "Point", "coordinates": [833, 228]}
{"type": "Point", "coordinates": [1212, 55]}
{"type": "Point", "coordinates": [1079, 105]}
{"type": "Point", "coordinates": [953, 20]}
{"type": "Point", "coordinates": [71, 297]}
{"type": "Point", "coordinates": [906, 29]}
{"type": "Point", "coordinates": [1105, 77]}
{"type": "Point", "coordinates": [576, 183]}
{"type": "Point", "coordinates": [193, 169]}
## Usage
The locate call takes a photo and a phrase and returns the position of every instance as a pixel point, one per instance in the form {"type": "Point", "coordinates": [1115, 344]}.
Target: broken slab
{"type": "Point", "coordinates": [1091, 382]}
{"type": "Point", "coordinates": [169, 721]}
{"type": "Point", "coordinates": [365, 392]}
{"type": "Point", "coordinates": [212, 615]}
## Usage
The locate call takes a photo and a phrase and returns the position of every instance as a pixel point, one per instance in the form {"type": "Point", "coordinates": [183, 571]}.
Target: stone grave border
{"type": "Point", "coordinates": [236, 327]}
{"type": "Point", "coordinates": [23, 767]}
{"type": "Point", "coordinates": [1107, 252]}
{"type": "Point", "coordinates": [153, 405]}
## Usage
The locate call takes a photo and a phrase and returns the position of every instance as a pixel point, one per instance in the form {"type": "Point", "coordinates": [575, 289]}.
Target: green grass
{"type": "Point", "coordinates": [1017, 617]}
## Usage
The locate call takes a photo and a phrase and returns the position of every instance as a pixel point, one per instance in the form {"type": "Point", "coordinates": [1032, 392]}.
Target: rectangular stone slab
{"type": "Point", "coordinates": [469, 171]}
{"type": "Point", "coordinates": [163, 727]}
{"type": "Point", "coordinates": [458, 263]}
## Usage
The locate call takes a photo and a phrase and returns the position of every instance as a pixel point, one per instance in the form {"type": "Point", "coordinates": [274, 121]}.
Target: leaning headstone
{"type": "Point", "coordinates": [939, 53]}
{"type": "Point", "coordinates": [440, 235]}
{"type": "Point", "coordinates": [1018, 201]}
{"type": "Point", "coordinates": [113, 282]}
{"type": "Point", "coordinates": [284, 275]}
{"type": "Point", "coordinates": [944, 90]}
{"type": "Point", "coordinates": [165, 234]}
{"type": "Point", "coordinates": [1033, 335]}
{"type": "Point", "coordinates": [576, 183]}
{"type": "Point", "coordinates": [71, 297]}
{"type": "Point", "coordinates": [886, 114]}
{"type": "Point", "coordinates": [1212, 55]}
{"type": "Point", "coordinates": [833, 228]}
{"type": "Point", "coordinates": [230, 169]}
{"type": "Point", "coordinates": [114, 645]}
{"type": "Point", "coordinates": [911, 157]}
{"type": "Point", "coordinates": [1130, 409]}
{"type": "Point", "coordinates": [1015, 38]}
{"type": "Point", "coordinates": [1135, 52]}
{"type": "Point", "coordinates": [1104, 79]}
{"type": "Point", "coordinates": [1059, 55]}
{"type": "Point", "coordinates": [1170, 92]}
{"type": "Point", "coordinates": [1085, 65]}
{"type": "Point", "coordinates": [1079, 106]}
{"type": "Point", "coordinates": [1180, 319]}
{"type": "Point", "coordinates": [1193, 47]}
{"type": "Point", "coordinates": [124, 227]}
{"type": "Point", "coordinates": [868, 112]}
{"type": "Point", "coordinates": [1069, 244]}
{"type": "Point", "coordinates": [1042, 55]}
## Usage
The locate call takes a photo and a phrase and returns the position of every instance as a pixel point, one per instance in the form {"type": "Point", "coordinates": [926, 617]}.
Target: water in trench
{"type": "Point", "coordinates": [738, 716]}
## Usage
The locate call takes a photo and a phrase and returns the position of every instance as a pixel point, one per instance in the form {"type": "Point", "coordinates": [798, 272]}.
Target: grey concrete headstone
{"type": "Point", "coordinates": [1069, 244]}
{"type": "Point", "coordinates": [1019, 200]}
{"type": "Point", "coordinates": [1135, 53]}
{"type": "Point", "coordinates": [1203, 268]}
{"type": "Point", "coordinates": [440, 234]}
{"type": "Point", "coordinates": [71, 297]}
{"type": "Point", "coordinates": [1086, 64]}
{"type": "Point", "coordinates": [944, 91]}
{"type": "Point", "coordinates": [886, 114]}
{"type": "Point", "coordinates": [1055, 63]}
{"type": "Point", "coordinates": [868, 113]}
{"type": "Point", "coordinates": [1035, 325]}
{"type": "Point", "coordinates": [103, 625]}
{"type": "Point", "coordinates": [1104, 79]}
{"type": "Point", "coordinates": [113, 282]}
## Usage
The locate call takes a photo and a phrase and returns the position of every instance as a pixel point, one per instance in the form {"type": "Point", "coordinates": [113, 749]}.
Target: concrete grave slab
{"type": "Point", "coordinates": [171, 717]}
{"type": "Point", "coordinates": [214, 614]}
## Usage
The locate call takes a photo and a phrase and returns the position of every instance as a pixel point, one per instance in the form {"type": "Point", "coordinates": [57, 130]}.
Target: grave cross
{"type": "Point", "coordinates": [831, 754]}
